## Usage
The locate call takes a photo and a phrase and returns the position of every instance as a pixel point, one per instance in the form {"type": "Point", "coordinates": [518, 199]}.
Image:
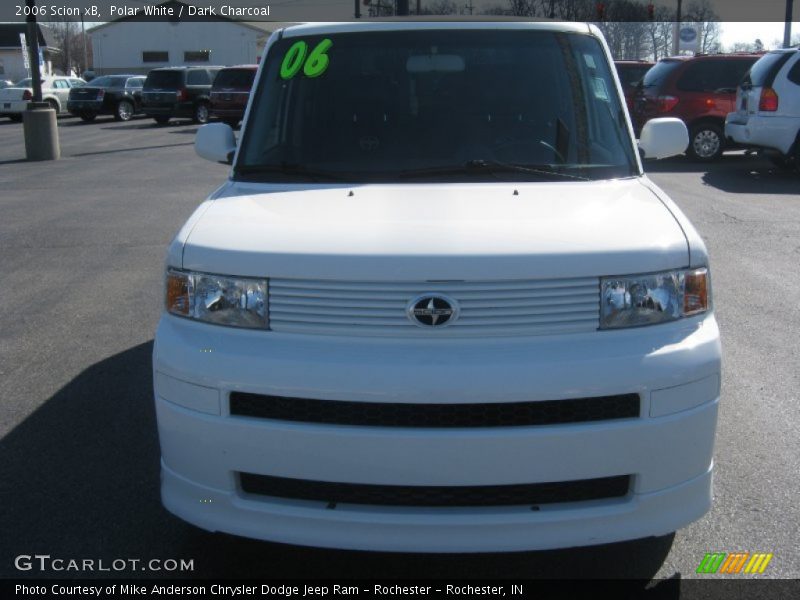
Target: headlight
{"type": "Point", "coordinates": [634, 300]}
{"type": "Point", "coordinates": [231, 301]}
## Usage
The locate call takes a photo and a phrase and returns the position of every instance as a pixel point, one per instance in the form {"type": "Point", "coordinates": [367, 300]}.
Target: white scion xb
{"type": "Point", "coordinates": [437, 306]}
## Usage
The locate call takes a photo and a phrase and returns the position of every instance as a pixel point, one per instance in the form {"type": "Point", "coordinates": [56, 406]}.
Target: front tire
{"type": "Point", "coordinates": [201, 113]}
{"type": "Point", "coordinates": [53, 104]}
{"type": "Point", "coordinates": [123, 111]}
{"type": "Point", "coordinates": [706, 142]}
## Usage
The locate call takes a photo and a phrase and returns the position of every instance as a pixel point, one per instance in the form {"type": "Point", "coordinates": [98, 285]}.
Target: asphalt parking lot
{"type": "Point", "coordinates": [82, 245]}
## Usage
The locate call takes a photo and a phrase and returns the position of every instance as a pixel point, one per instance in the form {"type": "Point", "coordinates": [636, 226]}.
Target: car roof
{"type": "Point", "coordinates": [433, 24]}
{"type": "Point", "coordinates": [186, 68]}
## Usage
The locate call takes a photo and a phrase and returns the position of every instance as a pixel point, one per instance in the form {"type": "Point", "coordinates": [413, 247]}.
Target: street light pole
{"type": "Point", "coordinates": [85, 52]}
{"type": "Point", "coordinates": [787, 28]}
{"type": "Point", "coordinates": [32, 34]}
{"type": "Point", "coordinates": [677, 30]}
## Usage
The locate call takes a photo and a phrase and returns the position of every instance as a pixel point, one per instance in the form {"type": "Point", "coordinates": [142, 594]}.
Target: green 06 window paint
{"type": "Point", "coordinates": [316, 63]}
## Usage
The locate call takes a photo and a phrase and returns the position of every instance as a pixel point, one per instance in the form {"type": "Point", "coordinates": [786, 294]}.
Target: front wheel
{"type": "Point", "coordinates": [124, 111]}
{"type": "Point", "coordinates": [201, 113]}
{"type": "Point", "coordinates": [706, 142]}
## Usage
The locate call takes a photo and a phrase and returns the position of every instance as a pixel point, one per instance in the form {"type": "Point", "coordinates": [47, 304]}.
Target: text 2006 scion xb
{"type": "Point", "coordinates": [437, 306]}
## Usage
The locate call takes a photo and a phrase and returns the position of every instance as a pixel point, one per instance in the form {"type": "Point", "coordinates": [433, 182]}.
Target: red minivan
{"type": "Point", "coordinates": [700, 90]}
{"type": "Point", "coordinates": [230, 93]}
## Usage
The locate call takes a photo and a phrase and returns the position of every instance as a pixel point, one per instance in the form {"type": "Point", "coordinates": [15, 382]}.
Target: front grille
{"type": "Point", "coordinates": [523, 307]}
{"type": "Point", "coordinates": [394, 414]}
{"type": "Point", "coordinates": [529, 494]}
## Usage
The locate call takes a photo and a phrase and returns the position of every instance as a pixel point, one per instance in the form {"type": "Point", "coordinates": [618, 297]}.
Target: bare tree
{"type": "Point", "coordinates": [439, 7]}
{"type": "Point", "coordinates": [69, 39]}
{"type": "Point", "coordinates": [702, 15]}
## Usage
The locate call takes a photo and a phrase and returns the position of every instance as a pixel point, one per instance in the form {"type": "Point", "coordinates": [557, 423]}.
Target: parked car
{"type": "Point", "coordinates": [767, 115]}
{"type": "Point", "coordinates": [230, 93]}
{"type": "Point", "coordinates": [437, 305]}
{"type": "Point", "coordinates": [55, 91]}
{"type": "Point", "coordinates": [631, 73]}
{"type": "Point", "coordinates": [4, 83]}
{"type": "Point", "coordinates": [118, 95]}
{"type": "Point", "coordinates": [699, 90]}
{"type": "Point", "coordinates": [178, 93]}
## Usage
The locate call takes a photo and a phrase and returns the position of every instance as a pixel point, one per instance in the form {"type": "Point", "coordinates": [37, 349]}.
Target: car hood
{"type": "Point", "coordinates": [433, 231]}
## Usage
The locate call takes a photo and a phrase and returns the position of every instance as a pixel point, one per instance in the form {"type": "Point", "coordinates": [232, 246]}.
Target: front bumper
{"type": "Point", "coordinates": [755, 131]}
{"type": "Point", "coordinates": [667, 450]}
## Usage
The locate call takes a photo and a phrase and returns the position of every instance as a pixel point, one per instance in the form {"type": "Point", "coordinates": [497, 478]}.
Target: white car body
{"type": "Point", "coordinates": [54, 90]}
{"type": "Point", "coordinates": [489, 246]}
{"type": "Point", "coordinates": [777, 130]}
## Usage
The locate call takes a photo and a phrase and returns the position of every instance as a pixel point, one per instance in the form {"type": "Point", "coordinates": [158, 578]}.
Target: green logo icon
{"type": "Point", "coordinates": [313, 64]}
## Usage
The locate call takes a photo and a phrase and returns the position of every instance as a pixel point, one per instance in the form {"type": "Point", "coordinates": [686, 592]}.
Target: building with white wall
{"type": "Point", "coordinates": [12, 65]}
{"type": "Point", "coordinates": [132, 45]}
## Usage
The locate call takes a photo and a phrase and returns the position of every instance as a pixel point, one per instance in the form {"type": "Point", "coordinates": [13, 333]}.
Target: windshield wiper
{"type": "Point", "coordinates": [315, 175]}
{"type": "Point", "coordinates": [479, 165]}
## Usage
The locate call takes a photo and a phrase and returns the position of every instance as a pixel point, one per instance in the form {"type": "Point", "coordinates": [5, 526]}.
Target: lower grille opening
{"type": "Point", "coordinates": [396, 414]}
{"type": "Point", "coordinates": [334, 493]}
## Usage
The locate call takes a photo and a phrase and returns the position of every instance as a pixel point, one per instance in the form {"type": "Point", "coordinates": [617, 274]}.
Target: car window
{"type": "Point", "coordinates": [24, 83]}
{"type": "Point", "coordinates": [713, 75]}
{"type": "Point", "coordinates": [390, 104]}
{"type": "Point", "coordinates": [102, 82]}
{"type": "Point", "coordinates": [240, 79]}
{"type": "Point", "coordinates": [165, 80]}
{"type": "Point", "coordinates": [794, 73]}
{"type": "Point", "coordinates": [60, 84]}
{"type": "Point", "coordinates": [658, 73]}
{"type": "Point", "coordinates": [631, 75]}
{"type": "Point", "coordinates": [198, 77]}
{"type": "Point", "coordinates": [135, 82]}
{"type": "Point", "coordinates": [76, 82]}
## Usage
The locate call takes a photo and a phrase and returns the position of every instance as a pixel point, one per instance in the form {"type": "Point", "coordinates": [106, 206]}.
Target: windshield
{"type": "Point", "coordinates": [466, 105]}
{"type": "Point", "coordinates": [24, 83]}
{"type": "Point", "coordinates": [658, 72]}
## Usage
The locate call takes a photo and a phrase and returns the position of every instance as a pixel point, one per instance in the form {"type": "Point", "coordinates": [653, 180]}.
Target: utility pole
{"type": "Point", "coordinates": [357, 10]}
{"type": "Point", "coordinates": [402, 8]}
{"type": "Point", "coordinates": [419, 8]}
{"type": "Point", "coordinates": [787, 28]}
{"type": "Point", "coordinates": [32, 33]}
{"type": "Point", "coordinates": [86, 54]}
{"type": "Point", "coordinates": [677, 31]}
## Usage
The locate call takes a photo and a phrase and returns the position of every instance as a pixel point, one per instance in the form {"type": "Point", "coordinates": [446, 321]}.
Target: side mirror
{"type": "Point", "coordinates": [664, 137]}
{"type": "Point", "coordinates": [216, 142]}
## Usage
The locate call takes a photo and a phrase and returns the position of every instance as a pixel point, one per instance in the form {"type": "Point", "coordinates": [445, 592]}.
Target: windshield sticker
{"type": "Point", "coordinates": [313, 64]}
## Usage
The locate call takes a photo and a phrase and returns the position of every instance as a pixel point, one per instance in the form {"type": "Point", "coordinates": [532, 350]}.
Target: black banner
{"type": "Point", "coordinates": [100, 11]}
{"type": "Point", "coordinates": [673, 588]}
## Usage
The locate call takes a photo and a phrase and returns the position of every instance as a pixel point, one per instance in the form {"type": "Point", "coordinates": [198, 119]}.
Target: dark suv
{"type": "Point", "coordinates": [699, 90]}
{"type": "Point", "coordinates": [630, 74]}
{"type": "Point", "coordinates": [178, 93]}
{"type": "Point", "coordinates": [118, 95]}
{"type": "Point", "coordinates": [230, 93]}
